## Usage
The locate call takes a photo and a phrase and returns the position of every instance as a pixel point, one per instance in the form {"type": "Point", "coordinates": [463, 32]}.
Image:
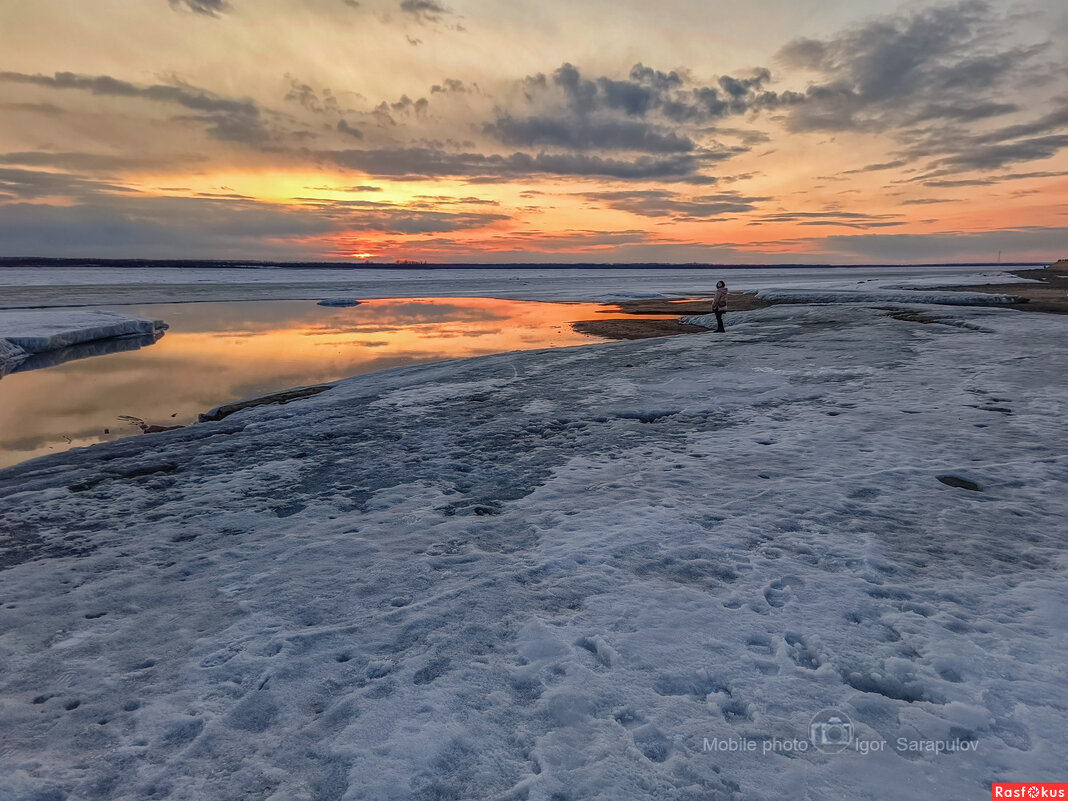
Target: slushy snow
{"type": "Point", "coordinates": [572, 574]}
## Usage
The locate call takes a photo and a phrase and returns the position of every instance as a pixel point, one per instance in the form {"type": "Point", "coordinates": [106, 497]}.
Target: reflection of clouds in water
{"type": "Point", "coordinates": [80, 438]}
{"type": "Point", "coordinates": [217, 353]}
{"type": "Point", "coordinates": [251, 318]}
{"type": "Point", "coordinates": [393, 323]}
{"type": "Point", "coordinates": [453, 333]}
{"type": "Point", "coordinates": [238, 336]}
{"type": "Point", "coordinates": [244, 318]}
{"type": "Point", "coordinates": [348, 343]}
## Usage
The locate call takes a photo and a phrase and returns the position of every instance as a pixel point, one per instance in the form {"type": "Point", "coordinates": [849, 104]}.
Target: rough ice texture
{"type": "Point", "coordinates": [39, 331]}
{"type": "Point", "coordinates": [884, 296]}
{"type": "Point", "coordinates": [10, 352]}
{"type": "Point", "coordinates": [556, 574]}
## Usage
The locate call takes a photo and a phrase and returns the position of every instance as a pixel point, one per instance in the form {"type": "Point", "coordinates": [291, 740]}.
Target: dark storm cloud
{"type": "Point", "coordinates": [225, 118]}
{"type": "Point", "coordinates": [962, 112]}
{"type": "Point", "coordinates": [452, 85]}
{"type": "Point", "coordinates": [586, 134]}
{"type": "Point", "coordinates": [657, 203]}
{"type": "Point", "coordinates": [424, 10]}
{"type": "Point", "coordinates": [188, 96]}
{"type": "Point", "coordinates": [929, 77]}
{"type": "Point", "coordinates": [210, 8]}
{"type": "Point", "coordinates": [30, 184]}
{"type": "Point", "coordinates": [345, 128]}
{"type": "Point", "coordinates": [307, 97]}
{"type": "Point", "coordinates": [415, 163]}
{"type": "Point", "coordinates": [406, 105]}
{"type": "Point", "coordinates": [646, 91]}
{"type": "Point", "coordinates": [991, 180]}
{"type": "Point", "coordinates": [230, 127]}
{"type": "Point", "coordinates": [1056, 120]}
{"type": "Point", "coordinates": [990, 157]}
{"type": "Point", "coordinates": [648, 112]}
{"type": "Point", "coordinates": [935, 63]}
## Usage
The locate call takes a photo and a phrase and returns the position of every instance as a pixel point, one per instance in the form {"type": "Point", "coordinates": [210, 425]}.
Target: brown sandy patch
{"type": "Point", "coordinates": [635, 329]}
{"type": "Point", "coordinates": [1050, 296]}
{"type": "Point", "coordinates": [736, 301]}
{"type": "Point", "coordinates": [661, 307]}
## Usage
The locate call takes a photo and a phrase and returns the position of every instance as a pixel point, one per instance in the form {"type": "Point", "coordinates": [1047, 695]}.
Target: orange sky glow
{"type": "Point", "coordinates": [483, 132]}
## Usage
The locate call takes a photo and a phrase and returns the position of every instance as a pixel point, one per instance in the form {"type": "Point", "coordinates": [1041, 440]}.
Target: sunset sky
{"type": "Point", "coordinates": [475, 131]}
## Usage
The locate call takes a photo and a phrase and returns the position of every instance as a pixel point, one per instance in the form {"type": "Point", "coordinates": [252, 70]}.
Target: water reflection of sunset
{"type": "Point", "coordinates": [215, 353]}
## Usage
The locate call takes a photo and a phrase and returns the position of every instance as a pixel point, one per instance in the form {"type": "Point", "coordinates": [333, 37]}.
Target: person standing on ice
{"type": "Point", "coordinates": [719, 305]}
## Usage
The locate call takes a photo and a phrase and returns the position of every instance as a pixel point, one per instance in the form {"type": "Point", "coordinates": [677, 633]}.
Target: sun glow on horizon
{"type": "Point", "coordinates": [262, 132]}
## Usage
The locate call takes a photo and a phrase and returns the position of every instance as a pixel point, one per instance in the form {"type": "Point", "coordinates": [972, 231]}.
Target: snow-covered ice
{"type": "Point", "coordinates": [568, 574]}
{"type": "Point", "coordinates": [884, 296]}
{"type": "Point", "coordinates": [32, 339]}
{"type": "Point", "coordinates": [39, 331]}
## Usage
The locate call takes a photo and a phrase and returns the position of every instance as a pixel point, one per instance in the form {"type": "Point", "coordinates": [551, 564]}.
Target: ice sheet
{"type": "Point", "coordinates": [45, 330]}
{"type": "Point", "coordinates": [565, 574]}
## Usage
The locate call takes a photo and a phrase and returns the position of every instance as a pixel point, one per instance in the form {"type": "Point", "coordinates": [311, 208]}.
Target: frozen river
{"type": "Point", "coordinates": [219, 352]}
{"type": "Point", "coordinates": [821, 555]}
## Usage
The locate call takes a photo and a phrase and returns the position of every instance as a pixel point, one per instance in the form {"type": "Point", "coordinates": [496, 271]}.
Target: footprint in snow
{"type": "Point", "coordinates": [652, 743]}
{"type": "Point", "coordinates": [780, 590]}
{"type": "Point", "coordinates": [801, 653]}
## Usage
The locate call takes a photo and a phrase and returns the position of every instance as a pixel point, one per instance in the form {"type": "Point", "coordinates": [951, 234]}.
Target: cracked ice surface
{"type": "Point", "coordinates": [555, 574]}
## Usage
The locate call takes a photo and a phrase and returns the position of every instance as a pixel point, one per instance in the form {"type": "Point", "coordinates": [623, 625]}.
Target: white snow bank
{"type": "Point", "coordinates": [884, 296]}
{"type": "Point", "coordinates": [39, 331]}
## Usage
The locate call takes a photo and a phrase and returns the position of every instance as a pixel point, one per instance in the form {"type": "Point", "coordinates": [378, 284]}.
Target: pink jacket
{"type": "Point", "coordinates": [720, 302]}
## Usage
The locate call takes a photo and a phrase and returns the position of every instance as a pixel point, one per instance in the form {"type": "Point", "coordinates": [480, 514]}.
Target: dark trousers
{"type": "Point", "coordinates": [719, 320]}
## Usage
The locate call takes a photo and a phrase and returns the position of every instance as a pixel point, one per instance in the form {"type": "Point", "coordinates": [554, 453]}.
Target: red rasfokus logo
{"type": "Point", "coordinates": [1029, 790]}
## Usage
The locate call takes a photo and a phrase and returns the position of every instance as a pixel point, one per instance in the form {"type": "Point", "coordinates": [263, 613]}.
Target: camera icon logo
{"type": "Point", "coordinates": [831, 731]}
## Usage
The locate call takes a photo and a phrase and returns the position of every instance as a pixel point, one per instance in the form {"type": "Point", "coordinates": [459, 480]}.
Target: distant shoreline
{"type": "Point", "coordinates": [1050, 296]}
{"type": "Point", "coordinates": [252, 264]}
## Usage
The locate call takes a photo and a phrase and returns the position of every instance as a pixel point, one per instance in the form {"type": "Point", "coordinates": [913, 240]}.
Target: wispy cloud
{"type": "Point", "coordinates": [225, 118]}
{"type": "Point", "coordinates": [424, 10]}
{"type": "Point", "coordinates": [659, 203]}
{"type": "Point", "coordinates": [209, 8]}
